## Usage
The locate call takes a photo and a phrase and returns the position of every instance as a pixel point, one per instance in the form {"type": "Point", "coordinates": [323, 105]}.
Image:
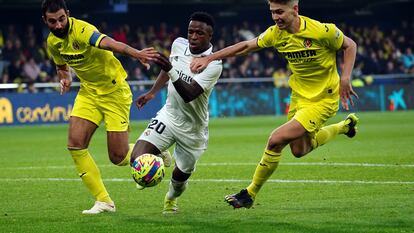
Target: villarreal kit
{"type": "Point", "coordinates": [311, 55]}
{"type": "Point", "coordinates": [104, 94]}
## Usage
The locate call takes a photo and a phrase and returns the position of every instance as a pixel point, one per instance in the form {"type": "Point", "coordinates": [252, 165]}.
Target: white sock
{"type": "Point", "coordinates": [176, 188]}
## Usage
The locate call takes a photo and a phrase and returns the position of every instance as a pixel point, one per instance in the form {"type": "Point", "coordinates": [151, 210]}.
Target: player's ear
{"type": "Point", "coordinates": [67, 13]}
{"type": "Point", "coordinates": [296, 8]}
{"type": "Point", "coordinates": [210, 31]}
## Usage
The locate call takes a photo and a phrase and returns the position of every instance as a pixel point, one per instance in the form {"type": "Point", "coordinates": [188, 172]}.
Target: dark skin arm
{"type": "Point", "coordinates": [162, 79]}
{"type": "Point", "coordinates": [187, 91]}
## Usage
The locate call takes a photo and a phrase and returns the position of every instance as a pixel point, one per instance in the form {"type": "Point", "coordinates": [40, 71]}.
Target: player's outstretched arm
{"type": "Point", "coordinates": [64, 77]}
{"type": "Point", "coordinates": [346, 91]}
{"type": "Point", "coordinates": [187, 91]}
{"type": "Point", "coordinates": [162, 79]}
{"type": "Point", "coordinates": [144, 56]}
{"type": "Point", "coordinates": [241, 48]}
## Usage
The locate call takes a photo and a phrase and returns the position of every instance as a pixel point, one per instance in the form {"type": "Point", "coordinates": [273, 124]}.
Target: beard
{"type": "Point", "coordinates": [61, 33]}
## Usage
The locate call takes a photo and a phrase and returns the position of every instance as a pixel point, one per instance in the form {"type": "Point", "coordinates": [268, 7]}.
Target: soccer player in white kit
{"type": "Point", "coordinates": [184, 118]}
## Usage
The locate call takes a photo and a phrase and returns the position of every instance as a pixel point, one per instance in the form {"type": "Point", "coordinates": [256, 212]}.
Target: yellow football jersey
{"type": "Point", "coordinates": [311, 54]}
{"type": "Point", "coordinates": [98, 70]}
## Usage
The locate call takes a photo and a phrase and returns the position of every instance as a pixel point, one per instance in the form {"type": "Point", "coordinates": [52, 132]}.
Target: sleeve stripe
{"type": "Point", "coordinates": [96, 39]}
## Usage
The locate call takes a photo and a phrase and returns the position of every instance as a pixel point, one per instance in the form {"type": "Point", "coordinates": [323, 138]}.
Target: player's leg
{"type": "Point", "coordinates": [115, 108]}
{"type": "Point", "coordinates": [279, 138]}
{"type": "Point", "coordinates": [119, 151]}
{"type": "Point", "coordinates": [301, 146]}
{"type": "Point", "coordinates": [85, 118]}
{"type": "Point", "coordinates": [188, 150]}
{"type": "Point", "coordinates": [313, 117]}
{"type": "Point", "coordinates": [142, 147]}
{"type": "Point", "coordinates": [156, 138]}
{"type": "Point", "coordinates": [328, 133]}
{"type": "Point", "coordinates": [80, 133]}
{"type": "Point", "coordinates": [178, 184]}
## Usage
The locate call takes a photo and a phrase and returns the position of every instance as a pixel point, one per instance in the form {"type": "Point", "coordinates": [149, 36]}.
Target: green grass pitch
{"type": "Point", "coordinates": [365, 184]}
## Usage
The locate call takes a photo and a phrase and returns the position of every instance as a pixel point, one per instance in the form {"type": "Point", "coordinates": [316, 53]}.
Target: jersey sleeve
{"type": "Point", "coordinates": [57, 59]}
{"type": "Point", "coordinates": [267, 38]}
{"type": "Point", "coordinates": [208, 78]}
{"type": "Point", "coordinates": [333, 37]}
{"type": "Point", "coordinates": [89, 34]}
{"type": "Point", "coordinates": [175, 47]}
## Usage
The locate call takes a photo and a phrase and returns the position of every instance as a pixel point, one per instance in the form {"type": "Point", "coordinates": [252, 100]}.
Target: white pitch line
{"type": "Point", "coordinates": [237, 164]}
{"type": "Point", "coordinates": [222, 181]}
{"type": "Point", "coordinates": [313, 164]}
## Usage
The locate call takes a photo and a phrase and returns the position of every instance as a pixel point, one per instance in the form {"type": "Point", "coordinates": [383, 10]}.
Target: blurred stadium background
{"type": "Point", "coordinates": [361, 185]}
{"type": "Point", "coordinates": [384, 31]}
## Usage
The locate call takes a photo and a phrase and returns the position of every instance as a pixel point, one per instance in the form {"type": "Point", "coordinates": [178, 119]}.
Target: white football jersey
{"type": "Point", "coordinates": [195, 112]}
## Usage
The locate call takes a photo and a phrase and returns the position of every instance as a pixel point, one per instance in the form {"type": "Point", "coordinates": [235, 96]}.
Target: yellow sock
{"type": "Point", "coordinates": [90, 174]}
{"type": "Point", "coordinates": [327, 133]}
{"type": "Point", "coordinates": [127, 156]}
{"type": "Point", "coordinates": [264, 170]}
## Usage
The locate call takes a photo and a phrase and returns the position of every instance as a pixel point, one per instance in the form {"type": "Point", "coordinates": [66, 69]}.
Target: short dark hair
{"type": "Point", "coordinates": [282, 1]}
{"type": "Point", "coordinates": [203, 17]}
{"type": "Point", "coordinates": [53, 6]}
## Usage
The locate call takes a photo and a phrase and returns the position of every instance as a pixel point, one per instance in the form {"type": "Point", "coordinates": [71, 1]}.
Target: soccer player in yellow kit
{"type": "Point", "coordinates": [310, 48]}
{"type": "Point", "coordinates": [104, 94]}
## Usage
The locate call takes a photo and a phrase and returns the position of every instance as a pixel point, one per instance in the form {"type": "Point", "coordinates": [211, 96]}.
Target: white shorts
{"type": "Point", "coordinates": [190, 143]}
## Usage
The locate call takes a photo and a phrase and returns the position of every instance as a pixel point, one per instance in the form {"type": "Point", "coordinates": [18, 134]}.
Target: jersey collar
{"type": "Point", "coordinates": [302, 23]}
{"type": "Point", "coordinates": [70, 22]}
{"type": "Point", "coordinates": [187, 52]}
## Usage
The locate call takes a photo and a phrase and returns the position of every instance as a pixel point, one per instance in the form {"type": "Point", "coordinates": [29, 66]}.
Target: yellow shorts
{"type": "Point", "coordinates": [312, 115]}
{"type": "Point", "coordinates": [113, 108]}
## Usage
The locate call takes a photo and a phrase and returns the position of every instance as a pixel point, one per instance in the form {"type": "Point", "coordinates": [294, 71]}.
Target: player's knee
{"type": "Point", "coordinates": [134, 155]}
{"type": "Point", "coordinates": [117, 157]}
{"type": "Point", "coordinates": [73, 144]}
{"type": "Point", "coordinates": [298, 152]}
{"type": "Point", "coordinates": [275, 143]}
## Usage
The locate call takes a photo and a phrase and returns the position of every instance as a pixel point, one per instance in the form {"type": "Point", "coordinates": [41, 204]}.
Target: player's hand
{"type": "Point", "coordinates": [146, 55]}
{"type": "Point", "coordinates": [163, 62]}
{"type": "Point", "coordinates": [199, 64]}
{"type": "Point", "coordinates": [346, 92]}
{"type": "Point", "coordinates": [65, 84]}
{"type": "Point", "coordinates": [143, 99]}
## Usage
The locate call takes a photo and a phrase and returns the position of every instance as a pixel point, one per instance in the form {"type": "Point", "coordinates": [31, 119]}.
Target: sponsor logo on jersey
{"type": "Point", "coordinates": [185, 77]}
{"type": "Point", "coordinates": [337, 34]}
{"type": "Point", "coordinates": [304, 56]}
{"type": "Point", "coordinates": [299, 54]}
{"type": "Point", "coordinates": [75, 45]}
{"type": "Point", "coordinates": [307, 43]}
{"type": "Point", "coordinates": [70, 57]}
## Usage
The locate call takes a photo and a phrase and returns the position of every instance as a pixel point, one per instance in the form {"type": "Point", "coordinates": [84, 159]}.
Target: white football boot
{"type": "Point", "coordinates": [166, 158]}
{"type": "Point", "coordinates": [100, 207]}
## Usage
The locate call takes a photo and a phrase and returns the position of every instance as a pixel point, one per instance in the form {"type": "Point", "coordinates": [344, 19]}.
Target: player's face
{"type": "Point", "coordinates": [283, 14]}
{"type": "Point", "coordinates": [57, 22]}
{"type": "Point", "coordinates": [199, 36]}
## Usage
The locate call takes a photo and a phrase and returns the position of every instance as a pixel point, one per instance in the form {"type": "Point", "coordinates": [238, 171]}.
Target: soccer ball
{"type": "Point", "coordinates": [148, 170]}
